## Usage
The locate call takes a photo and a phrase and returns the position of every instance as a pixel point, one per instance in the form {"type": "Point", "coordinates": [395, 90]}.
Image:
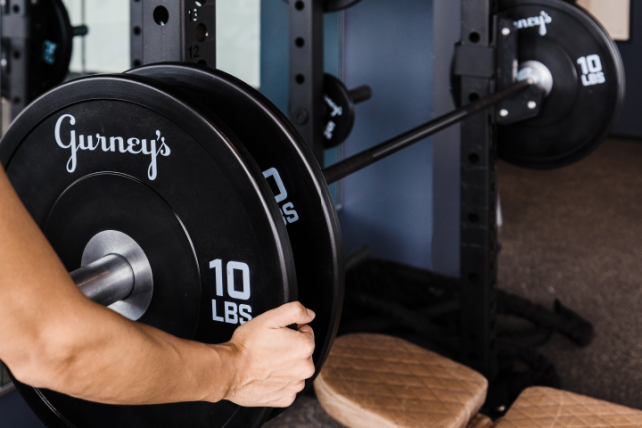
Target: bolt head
{"type": "Point", "coordinates": [532, 105]}
{"type": "Point", "coordinates": [503, 112]}
{"type": "Point", "coordinates": [300, 116]}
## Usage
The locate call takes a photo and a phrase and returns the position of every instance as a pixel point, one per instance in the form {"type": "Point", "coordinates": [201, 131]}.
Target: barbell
{"type": "Point", "coordinates": [182, 198]}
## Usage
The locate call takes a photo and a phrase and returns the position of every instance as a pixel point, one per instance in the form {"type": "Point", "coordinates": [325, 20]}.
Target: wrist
{"type": "Point", "coordinates": [222, 372]}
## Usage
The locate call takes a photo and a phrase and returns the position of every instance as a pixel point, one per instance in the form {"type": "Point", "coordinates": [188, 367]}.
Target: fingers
{"type": "Point", "coordinates": [307, 331]}
{"type": "Point", "coordinates": [288, 314]}
{"type": "Point", "coordinates": [288, 395]}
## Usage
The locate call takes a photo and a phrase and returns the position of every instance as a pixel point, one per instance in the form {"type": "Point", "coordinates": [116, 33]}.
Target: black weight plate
{"type": "Point", "coordinates": [339, 112]}
{"type": "Point", "coordinates": [54, 43]}
{"type": "Point", "coordinates": [588, 88]}
{"type": "Point", "coordinates": [51, 43]}
{"type": "Point", "coordinates": [201, 194]}
{"type": "Point", "coordinates": [299, 186]}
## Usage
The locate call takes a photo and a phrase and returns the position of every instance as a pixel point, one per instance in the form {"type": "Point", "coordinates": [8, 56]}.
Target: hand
{"type": "Point", "coordinates": [270, 361]}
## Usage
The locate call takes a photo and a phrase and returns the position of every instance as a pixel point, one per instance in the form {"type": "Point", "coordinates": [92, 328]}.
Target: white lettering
{"type": "Point", "coordinates": [231, 313]}
{"type": "Point", "coordinates": [592, 73]}
{"type": "Point", "coordinates": [214, 316]}
{"type": "Point", "coordinates": [288, 210]}
{"type": "Point", "coordinates": [135, 146]}
{"type": "Point", "coordinates": [73, 161]}
{"type": "Point", "coordinates": [283, 193]}
{"type": "Point", "coordinates": [244, 294]}
{"type": "Point", "coordinates": [336, 109]}
{"type": "Point", "coordinates": [328, 133]}
{"type": "Point", "coordinates": [131, 143]}
{"type": "Point", "coordinates": [540, 21]}
{"type": "Point", "coordinates": [244, 312]}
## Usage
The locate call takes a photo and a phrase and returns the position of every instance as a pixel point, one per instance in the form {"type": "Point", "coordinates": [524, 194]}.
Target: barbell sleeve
{"type": "Point", "coordinates": [360, 94]}
{"type": "Point", "coordinates": [366, 158]}
{"type": "Point", "coordinates": [107, 280]}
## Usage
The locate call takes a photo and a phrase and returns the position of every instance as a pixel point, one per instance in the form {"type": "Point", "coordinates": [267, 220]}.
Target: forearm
{"type": "Point", "coordinates": [113, 360]}
{"type": "Point", "coordinates": [53, 337]}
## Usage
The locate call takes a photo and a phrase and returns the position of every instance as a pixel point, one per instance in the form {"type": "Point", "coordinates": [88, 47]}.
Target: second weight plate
{"type": "Point", "coordinates": [296, 179]}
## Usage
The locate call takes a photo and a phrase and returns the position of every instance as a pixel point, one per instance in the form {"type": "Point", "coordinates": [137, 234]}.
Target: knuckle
{"type": "Point", "coordinates": [298, 309]}
{"type": "Point", "coordinates": [309, 348]}
{"type": "Point", "coordinates": [299, 386]}
{"type": "Point", "coordinates": [310, 371]}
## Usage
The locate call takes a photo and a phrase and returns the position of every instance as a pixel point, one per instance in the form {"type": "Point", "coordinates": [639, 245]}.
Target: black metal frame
{"type": "Point", "coordinates": [477, 68]}
{"type": "Point", "coordinates": [478, 194]}
{"type": "Point", "coordinates": [188, 35]}
{"type": "Point", "coordinates": [15, 43]}
{"type": "Point", "coordinates": [306, 19]}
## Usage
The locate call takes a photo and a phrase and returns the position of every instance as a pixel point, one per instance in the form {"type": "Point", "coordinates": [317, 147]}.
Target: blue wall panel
{"type": "Point", "coordinates": [388, 45]}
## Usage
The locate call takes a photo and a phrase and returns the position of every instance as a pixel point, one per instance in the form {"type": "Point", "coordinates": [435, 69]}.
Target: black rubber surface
{"type": "Point", "coordinates": [339, 112]}
{"type": "Point", "coordinates": [304, 198]}
{"type": "Point", "coordinates": [189, 194]}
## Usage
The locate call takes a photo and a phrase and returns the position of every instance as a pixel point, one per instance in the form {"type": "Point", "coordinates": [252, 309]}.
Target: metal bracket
{"type": "Point", "coordinates": [478, 61]}
{"type": "Point", "coordinates": [525, 105]}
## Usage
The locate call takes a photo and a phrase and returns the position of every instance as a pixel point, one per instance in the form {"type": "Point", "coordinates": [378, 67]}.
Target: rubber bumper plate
{"type": "Point", "coordinates": [588, 84]}
{"type": "Point", "coordinates": [118, 153]}
{"type": "Point", "coordinates": [296, 180]}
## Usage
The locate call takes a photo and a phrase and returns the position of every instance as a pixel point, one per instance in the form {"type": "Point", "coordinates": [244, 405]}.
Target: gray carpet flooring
{"type": "Point", "coordinates": [574, 234]}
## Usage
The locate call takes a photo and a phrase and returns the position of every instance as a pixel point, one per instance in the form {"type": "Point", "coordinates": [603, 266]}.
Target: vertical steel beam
{"type": "Point", "coordinates": [478, 196]}
{"type": "Point", "coordinates": [306, 71]}
{"type": "Point", "coordinates": [15, 67]}
{"type": "Point", "coordinates": [163, 30]}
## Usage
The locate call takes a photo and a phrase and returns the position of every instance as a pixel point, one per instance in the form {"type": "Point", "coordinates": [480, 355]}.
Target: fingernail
{"type": "Point", "coordinates": [311, 312]}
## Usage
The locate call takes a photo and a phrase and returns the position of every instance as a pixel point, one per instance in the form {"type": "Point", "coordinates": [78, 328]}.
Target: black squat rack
{"type": "Point", "coordinates": [478, 164]}
{"type": "Point", "coordinates": [484, 63]}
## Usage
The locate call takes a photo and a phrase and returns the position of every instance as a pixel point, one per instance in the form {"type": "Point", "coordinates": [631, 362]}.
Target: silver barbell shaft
{"type": "Point", "coordinates": [106, 280]}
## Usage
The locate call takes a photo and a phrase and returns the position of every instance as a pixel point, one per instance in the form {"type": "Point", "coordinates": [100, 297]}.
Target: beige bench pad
{"type": "Point", "coordinates": [481, 421]}
{"type": "Point", "coordinates": [372, 380]}
{"type": "Point", "coordinates": [551, 408]}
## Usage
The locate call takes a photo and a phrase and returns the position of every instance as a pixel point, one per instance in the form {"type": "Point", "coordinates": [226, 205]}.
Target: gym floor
{"type": "Point", "coordinates": [573, 234]}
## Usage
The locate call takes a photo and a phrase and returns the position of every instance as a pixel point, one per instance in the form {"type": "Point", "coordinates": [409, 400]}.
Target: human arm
{"type": "Point", "coordinates": [51, 336]}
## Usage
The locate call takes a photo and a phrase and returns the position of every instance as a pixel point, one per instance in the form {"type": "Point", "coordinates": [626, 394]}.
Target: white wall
{"type": "Point", "coordinates": [238, 35]}
{"type": "Point", "coordinates": [615, 15]}
{"type": "Point", "coordinates": [107, 44]}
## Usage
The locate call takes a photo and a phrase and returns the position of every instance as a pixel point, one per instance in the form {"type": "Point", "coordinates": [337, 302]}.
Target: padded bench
{"type": "Point", "coordinates": [372, 380]}
{"type": "Point", "coordinates": [551, 408]}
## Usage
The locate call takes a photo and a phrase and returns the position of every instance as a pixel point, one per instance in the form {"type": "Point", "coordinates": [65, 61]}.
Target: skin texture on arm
{"type": "Point", "coordinates": [52, 336]}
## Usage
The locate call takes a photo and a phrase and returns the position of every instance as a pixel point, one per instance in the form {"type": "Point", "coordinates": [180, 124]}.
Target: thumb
{"type": "Point", "coordinates": [288, 314]}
